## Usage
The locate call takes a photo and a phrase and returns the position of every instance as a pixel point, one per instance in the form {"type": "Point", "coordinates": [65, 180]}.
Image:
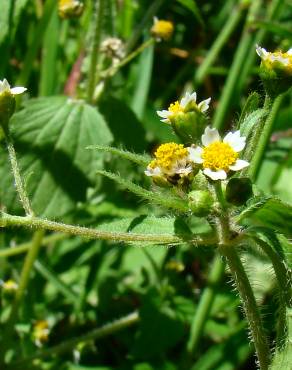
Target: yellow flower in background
{"type": "Point", "coordinates": [70, 8]}
{"type": "Point", "coordinates": [219, 157]}
{"type": "Point", "coordinates": [277, 60]}
{"type": "Point", "coordinates": [41, 332]}
{"type": "Point", "coordinates": [9, 286]}
{"type": "Point", "coordinates": [162, 29]}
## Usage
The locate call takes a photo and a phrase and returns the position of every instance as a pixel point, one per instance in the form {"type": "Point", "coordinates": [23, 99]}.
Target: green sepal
{"type": "Point", "coordinates": [189, 126]}
{"type": "Point", "coordinates": [276, 80]}
{"type": "Point", "coordinates": [238, 191]}
{"type": "Point", "coordinates": [7, 107]}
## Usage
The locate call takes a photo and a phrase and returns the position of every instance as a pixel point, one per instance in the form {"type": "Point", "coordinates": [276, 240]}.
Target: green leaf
{"type": "Point", "coordinates": [251, 104]}
{"type": "Point", "coordinates": [251, 120]}
{"type": "Point", "coordinates": [161, 199]}
{"type": "Point", "coordinates": [50, 136]}
{"type": "Point", "coordinates": [270, 212]}
{"type": "Point", "coordinates": [142, 160]}
{"type": "Point", "coordinates": [193, 7]}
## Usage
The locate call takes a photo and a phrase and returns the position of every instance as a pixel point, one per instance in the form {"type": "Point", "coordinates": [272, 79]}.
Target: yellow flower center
{"type": "Point", "coordinates": [175, 108]}
{"type": "Point", "coordinates": [218, 156]}
{"type": "Point", "coordinates": [283, 60]}
{"type": "Point", "coordinates": [70, 8]}
{"type": "Point", "coordinates": [167, 155]}
{"type": "Point", "coordinates": [162, 29]}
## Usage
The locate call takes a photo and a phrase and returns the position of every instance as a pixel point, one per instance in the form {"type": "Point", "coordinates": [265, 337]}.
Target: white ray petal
{"type": "Point", "coordinates": [215, 175]}
{"type": "Point", "coordinates": [239, 165]}
{"type": "Point", "coordinates": [18, 90]}
{"type": "Point", "coordinates": [163, 113]}
{"type": "Point", "coordinates": [204, 105]}
{"type": "Point", "coordinates": [236, 141]}
{"type": "Point", "coordinates": [195, 154]}
{"type": "Point", "coordinates": [210, 136]}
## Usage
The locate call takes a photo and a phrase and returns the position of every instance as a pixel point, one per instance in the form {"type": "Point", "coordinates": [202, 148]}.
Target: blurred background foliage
{"type": "Point", "coordinates": [78, 285]}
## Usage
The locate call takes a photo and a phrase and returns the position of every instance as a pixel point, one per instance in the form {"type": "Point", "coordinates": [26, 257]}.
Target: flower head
{"type": "Point", "coordinates": [114, 49]}
{"type": "Point", "coordinates": [219, 157]}
{"type": "Point", "coordinates": [187, 104]}
{"type": "Point", "coordinates": [70, 8]}
{"type": "Point", "coordinates": [277, 60]}
{"type": "Point", "coordinates": [9, 286]}
{"type": "Point", "coordinates": [161, 29]}
{"type": "Point", "coordinates": [171, 163]}
{"type": "Point", "coordinates": [6, 89]}
{"type": "Point", "coordinates": [40, 332]}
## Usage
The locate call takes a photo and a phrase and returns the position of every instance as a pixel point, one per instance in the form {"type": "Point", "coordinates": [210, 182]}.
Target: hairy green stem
{"type": "Point", "coordinates": [7, 220]}
{"type": "Point", "coordinates": [242, 50]}
{"type": "Point", "coordinates": [16, 174]}
{"type": "Point", "coordinates": [263, 134]}
{"type": "Point", "coordinates": [105, 330]}
{"type": "Point", "coordinates": [92, 76]}
{"type": "Point", "coordinates": [249, 304]}
{"type": "Point", "coordinates": [216, 47]}
{"type": "Point", "coordinates": [205, 304]}
{"type": "Point", "coordinates": [114, 69]}
{"type": "Point", "coordinates": [284, 282]}
{"type": "Point", "coordinates": [22, 288]}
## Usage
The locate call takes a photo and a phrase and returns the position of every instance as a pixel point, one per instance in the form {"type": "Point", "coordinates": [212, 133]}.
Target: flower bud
{"type": "Point", "coordinates": [187, 117]}
{"type": "Point", "coordinates": [9, 287]}
{"type": "Point", "coordinates": [200, 202]}
{"type": "Point", "coordinates": [70, 8]}
{"type": "Point", "coordinates": [7, 101]}
{"type": "Point", "coordinates": [238, 191]}
{"type": "Point", "coordinates": [275, 70]}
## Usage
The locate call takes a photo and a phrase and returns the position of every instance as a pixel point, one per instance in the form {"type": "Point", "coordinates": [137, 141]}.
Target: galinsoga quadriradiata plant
{"type": "Point", "coordinates": [207, 175]}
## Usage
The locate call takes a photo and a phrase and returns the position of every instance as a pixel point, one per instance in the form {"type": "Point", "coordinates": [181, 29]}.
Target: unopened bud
{"type": "Point", "coordinates": [200, 202]}
{"type": "Point", "coordinates": [70, 8]}
{"type": "Point", "coordinates": [7, 101]}
{"type": "Point", "coordinates": [162, 30]}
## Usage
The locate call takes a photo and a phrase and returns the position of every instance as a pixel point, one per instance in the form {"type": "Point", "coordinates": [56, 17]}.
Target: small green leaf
{"type": "Point", "coordinates": [270, 212]}
{"type": "Point", "coordinates": [50, 136]}
{"type": "Point", "coordinates": [252, 103]}
{"type": "Point", "coordinates": [168, 201]}
{"type": "Point", "coordinates": [142, 160]}
{"type": "Point", "coordinates": [251, 120]}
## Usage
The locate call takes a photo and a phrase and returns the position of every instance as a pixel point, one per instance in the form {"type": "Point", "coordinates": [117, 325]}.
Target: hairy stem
{"type": "Point", "coordinates": [95, 52]}
{"type": "Point", "coordinates": [114, 69]}
{"type": "Point", "coordinates": [16, 174]}
{"type": "Point", "coordinates": [105, 330]}
{"type": "Point", "coordinates": [7, 220]}
{"type": "Point", "coordinates": [249, 305]}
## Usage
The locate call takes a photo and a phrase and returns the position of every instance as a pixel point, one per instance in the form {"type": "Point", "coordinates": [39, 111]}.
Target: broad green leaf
{"type": "Point", "coordinates": [50, 136]}
{"type": "Point", "coordinates": [270, 212]}
{"type": "Point", "coordinates": [193, 7]}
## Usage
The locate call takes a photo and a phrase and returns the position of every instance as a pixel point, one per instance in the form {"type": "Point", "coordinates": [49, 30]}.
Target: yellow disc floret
{"type": "Point", "coordinates": [162, 29]}
{"type": "Point", "coordinates": [218, 156]}
{"type": "Point", "coordinates": [175, 108]}
{"type": "Point", "coordinates": [167, 155]}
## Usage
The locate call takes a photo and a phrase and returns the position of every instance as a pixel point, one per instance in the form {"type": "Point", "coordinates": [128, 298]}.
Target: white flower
{"type": "Point", "coordinates": [5, 87]}
{"type": "Point", "coordinates": [217, 156]}
{"type": "Point", "coordinates": [274, 59]}
{"type": "Point", "coordinates": [187, 103]}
